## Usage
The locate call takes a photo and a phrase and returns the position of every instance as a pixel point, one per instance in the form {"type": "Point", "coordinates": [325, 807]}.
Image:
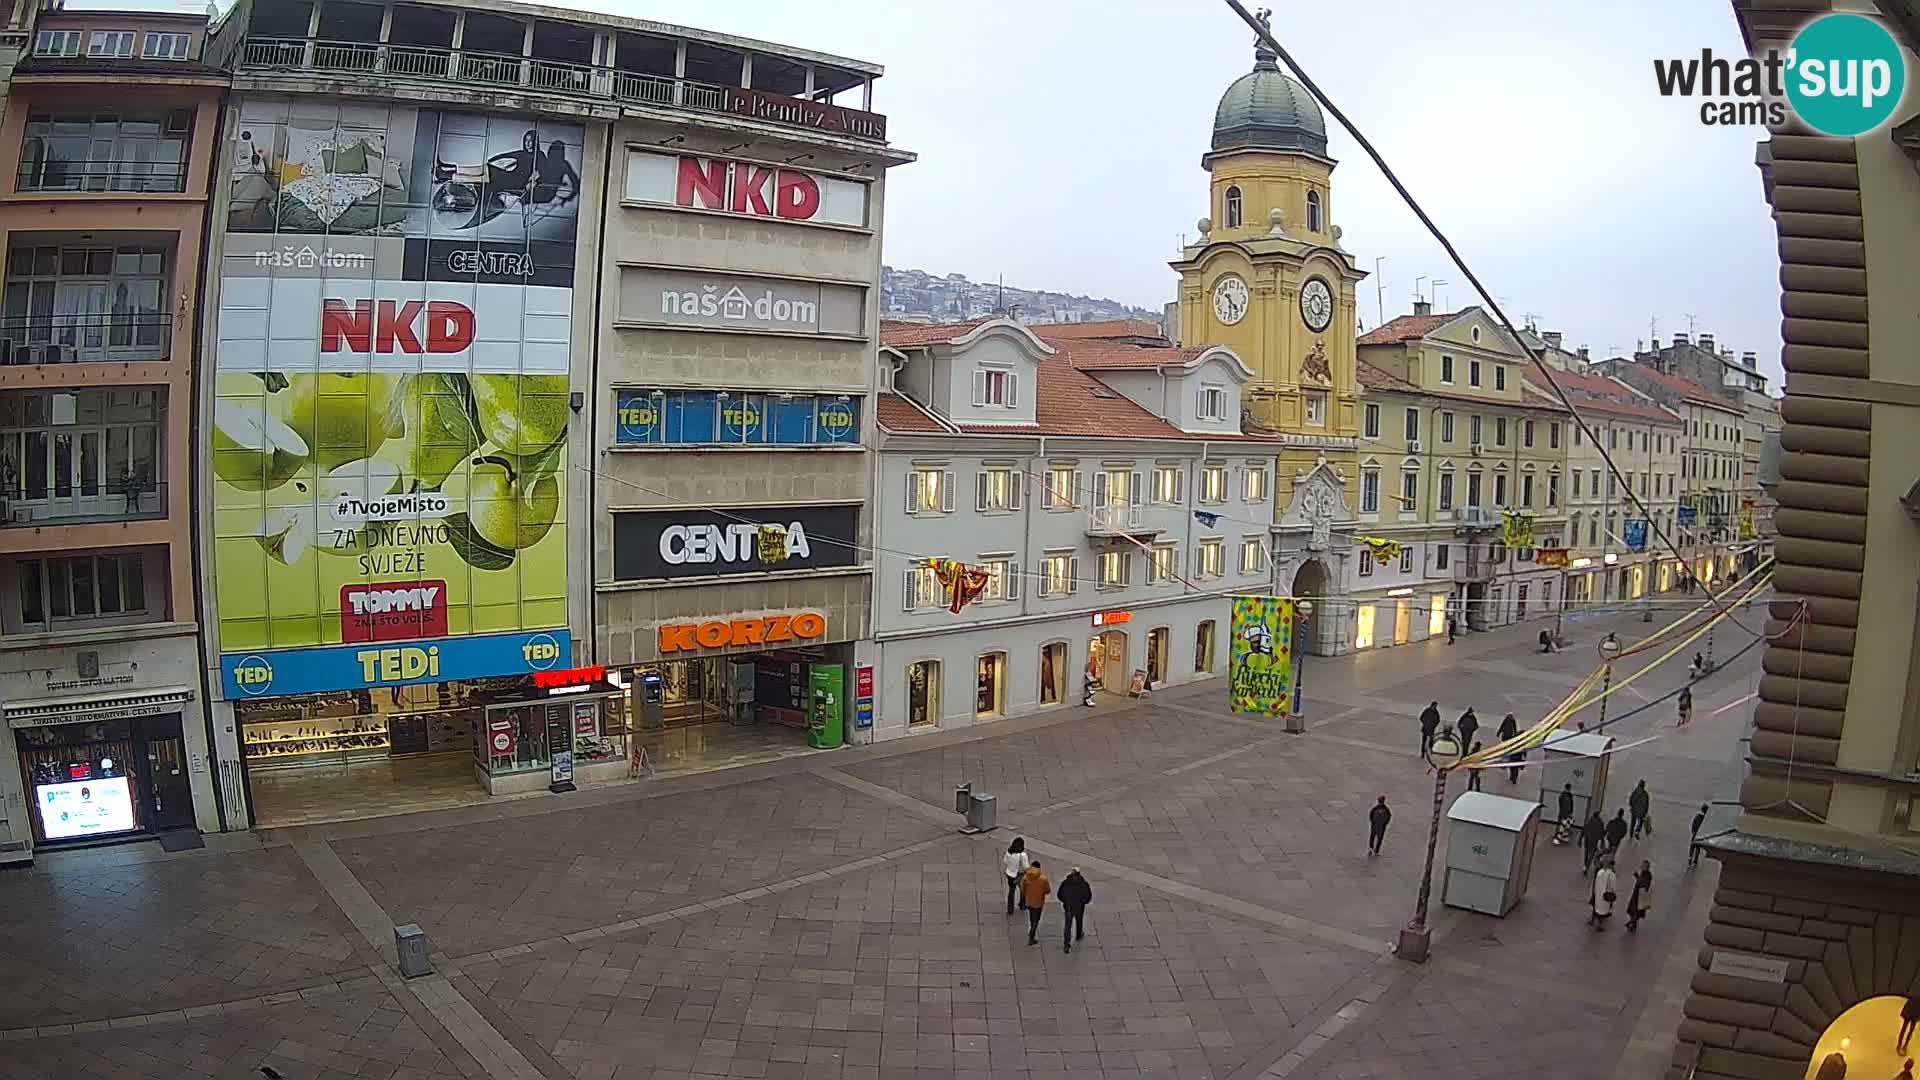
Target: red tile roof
{"type": "Point", "coordinates": [1102, 355]}
{"type": "Point", "coordinates": [1380, 379]}
{"type": "Point", "coordinates": [1675, 384]}
{"type": "Point", "coordinates": [898, 414]}
{"type": "Point", "coordinates": [1406, 328]}
{"type": "Point", "coordinates": [1599, 394]}
{"type": "Point", "coordinates": [1104, 328]}
{"type": "Point", "coordinates": [909, 334]}
{"type": "Point", "coordinates": [1374, 378]}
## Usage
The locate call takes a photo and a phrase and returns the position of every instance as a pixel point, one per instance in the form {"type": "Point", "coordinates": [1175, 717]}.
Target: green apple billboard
{"type": "Point", "coordinates": [388, 433]}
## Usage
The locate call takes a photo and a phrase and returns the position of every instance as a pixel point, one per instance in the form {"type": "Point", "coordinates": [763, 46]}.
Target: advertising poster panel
{"type": "Point", "coordinates": [1261, 672]}
{"type": "Point", "coordinates": [388, 435]}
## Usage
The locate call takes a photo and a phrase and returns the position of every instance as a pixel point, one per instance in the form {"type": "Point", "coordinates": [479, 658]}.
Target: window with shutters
{"type": "Point", "coordinates": [1446, 427]}
{"type": "Point", "coordinates": [1253, 555]}
{"type": "Point", "coordinates": [1576, 483]}
{"type": "Point", "coordinates": [997, 489]}
{"type": "Point", "coordinates": [1446, 490]}
{"type": "Point", "coordinates": [1473, 488]}
{"type": "Point", "coordinates": [1526, 489]}
{"type": "Point", "coordinates": [1499, 489]}
{"type": "Point", "coordinates": [1370, 422]}
{"type": "Point", "coordinates": [1473, 430]}
{"type": "Point", "coordinates": [1553, 489]}
{"type": "Point", "coordinates": [996, 387]}
{"type": "Point", "coordinates": [1059, 571]}
{"type": "Point", "coordinates": [1163, 561]}
{"type": "Point", "coordinates": [1256, 483]}
{"type": "Point", "coordinates": [1113, 569]}
{"type": "Point", "coordinates": [1369, 491]}
{"type": "Point", "coordinates": [1499, 431]}
{"type": "Point", "coordinates": [1232, 208]}
{"type": "Point", "coordinates": [930, 491]}
{"type": "Point", "coordinates": [1213, 402]}
{"type": "Point", "coordinates": [1473, 373]}
{"type": "Point", "coordinates": [1366, 564]}
{"type": "Point", "coordinates": [1553, 436]}
{"type": "Point", "coordinates": [1168, 480]}
{"type": "Point", "coordinates": [1409, 491]}
{"type": "Point", "coordinates": [1526, 434]}
{"type": "Point", "coordinates": [1406, 559]}
{"type": "Point", "coordinates": [1313, 211]}
{"type": "Point", "coordinates": [923, 590]}
{"type": "Point", "coordinates": [1413, 425]}
{"type": "Point", "coordinates": [1499, 376]}
{"type": "Point", "coordinates": [1210, 558]}
{"type": "Point", "coordinates": [1116, 488]}
{"type": "Point", "coordinates": [1314, 403]}
{"type": "Point", "coordinates": [1063, 488]}
{"type": "Point", "coordinates": [1003, 577]}
{"type": "Point", "coordinates": [1593, 532]}
{"type": "Point", "coordinates": [1446, 369]}
{"type": "Point", "coordinates": [1213, 484]}
{"type": "Point", "coordinates": [1442, 556]}
{"type": "Point", "coordinates": [1594, 476]}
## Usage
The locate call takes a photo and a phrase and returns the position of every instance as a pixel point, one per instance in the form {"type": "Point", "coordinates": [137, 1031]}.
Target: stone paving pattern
{"type": "Point", "coordinates": [820, 918]}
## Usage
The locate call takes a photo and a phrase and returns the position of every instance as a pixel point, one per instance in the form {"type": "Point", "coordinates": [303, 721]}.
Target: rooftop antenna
{"type": "Point", "coordinates": [1416, 288]}
{"type": "Point", "coordinates": [1437, 282]}
{"type": "Point", "coordinates": [1653, 328]}
{"type": "Point", "coordinates": [1379, 290]}
{"type": "Point", "coordinates": [1691, 319]}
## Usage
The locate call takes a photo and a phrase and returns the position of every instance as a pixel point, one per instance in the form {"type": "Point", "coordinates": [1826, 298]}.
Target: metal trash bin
{"type": "Point", "coordinates": [411, 943]}
{"type": "Point", "coordinates": [981, 812]}
{"type": "Point", "coordinates": [962, 798]}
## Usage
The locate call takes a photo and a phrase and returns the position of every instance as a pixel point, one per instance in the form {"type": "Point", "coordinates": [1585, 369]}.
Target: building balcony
{"type": "Point", "coordinates": [1118, 520]}
{"type": "Point", "coordinates": [86, 338]}
{"type": "Point", "coordinates": [592, 84]}
{"type": "Point", "coordinates": [1475, 563]}
{"type": "Point", "coordinates": [87, 503]}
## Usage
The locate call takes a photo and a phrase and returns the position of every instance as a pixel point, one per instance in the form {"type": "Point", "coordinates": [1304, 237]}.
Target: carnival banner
{"type": "Point", "coordinates": [1550, 557]}
{"type": "Point", "coordinates": [1516, 529]}
{"type": "Point", "coordinates": [1688, 514]}
{"type": "Point", "coordinates": [1261, 654]}
{"type": "Point", "coordinates": [1385, 552]}
{"type": "Point", "coordinates": [1747, 529]}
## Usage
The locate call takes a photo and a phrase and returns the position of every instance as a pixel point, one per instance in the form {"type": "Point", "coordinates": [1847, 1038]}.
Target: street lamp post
{"type": "Point", "coordinates": [1303, 611]}
{"type": "Point", "coordinates": [1609, 648]}
{"type": "Point", "coordinates": [1416, 938]}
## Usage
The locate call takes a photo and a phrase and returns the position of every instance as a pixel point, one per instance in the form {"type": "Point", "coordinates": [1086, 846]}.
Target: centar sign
{"type": "Point", "coordinates": [754, 630]}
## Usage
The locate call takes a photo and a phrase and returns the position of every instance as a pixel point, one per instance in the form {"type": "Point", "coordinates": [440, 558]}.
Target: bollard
{"type": "Point", "coordinates": [411, 943]}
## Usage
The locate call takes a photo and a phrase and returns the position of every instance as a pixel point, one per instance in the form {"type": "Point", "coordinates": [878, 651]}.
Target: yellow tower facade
{"type": "Point", "coordinates": [1269, 279]}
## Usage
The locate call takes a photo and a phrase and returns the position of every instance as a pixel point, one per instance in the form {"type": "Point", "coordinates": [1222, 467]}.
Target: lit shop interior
{"type": "Point", "coordinates": [710, 711]}
{"type": "Point", "coordinates": [363, 753]}
{"type": "Point", "coordinates": [100, 779]}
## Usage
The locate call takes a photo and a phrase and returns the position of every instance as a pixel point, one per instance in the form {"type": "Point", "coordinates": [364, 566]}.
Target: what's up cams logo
{"type": "Point", "coordinates": [1842, 75]}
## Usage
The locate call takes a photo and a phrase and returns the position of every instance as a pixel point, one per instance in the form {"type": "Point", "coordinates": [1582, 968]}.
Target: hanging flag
{"type": "Point", "coordinates": [1635, 530]}
{"type": "Point", "coordinates": [1550, 556]}
{"type": "Point", "coordinates": [1747, 527]}
{"type": "Point", "coordinates": [1516, 529]}
{"type": "Point", "coordinates": [773, 543]}
{"type": "Point", "coordinates": [964, 583]}
{"type": "Point", "coordinates": [1385, 552]}
{"type": "Point", "coordinates": [1206, 518]}
{"type": "Point", "coordinates": [1688, 513]}
{"type": "Point", "coordinates": [1260, 656]}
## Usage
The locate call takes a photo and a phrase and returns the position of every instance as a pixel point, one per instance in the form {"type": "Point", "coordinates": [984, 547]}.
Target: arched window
{"type": "Point", "coordinates": [1233, 208]}
{"type": "Point", "coordinates": [1313, 211]}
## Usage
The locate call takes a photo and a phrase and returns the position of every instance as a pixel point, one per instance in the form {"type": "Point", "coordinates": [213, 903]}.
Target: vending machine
{"type": "Point", "coordinates": [826, 715]}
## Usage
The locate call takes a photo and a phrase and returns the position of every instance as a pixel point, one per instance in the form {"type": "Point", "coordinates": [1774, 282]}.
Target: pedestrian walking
{"type": "Point", "coordinates": [1429, 725]}
{"type": "Point", "coordinates": [1593, 835]}
{"type": "Point", "coordinates": [1640, 900]}
{"type": "Point", "coordinates": [1466, 726]}
{"type": "Point", "coordinates": [1563, 828]}
{"type": "Point", "coordinates": [1604, 883]}
{"type": "Point", "coordinates": [1014, 865]}
{"type": "Point", "coordinates": [1034, 888]}
{"type": "Point", "coordinates": [1640, 804]}
{"type": "Point", "coordinates": [1452, 628]}
{"type": "Point", "coordinates": [1686, 705]}
{"type": "Point", "coordinates": [1510, 729]}
{"type": "Point", "coordinates": [1473, 775]}
{"type": "Point", "coordinates": [1616, 831]}
{"type": "Point", "coordinates": [1075, 895]}
{"type": "Point", "coordinates": [1546, 641]}
{"type": "Point", "coordinates": [1377, 820]}
{"type": "Point", "coordinates": [1909, 1017]}
{"type": "Point", "coordinates": [1693, 836]}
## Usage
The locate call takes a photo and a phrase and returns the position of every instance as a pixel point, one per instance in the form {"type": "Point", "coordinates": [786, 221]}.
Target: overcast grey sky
{"type": "Point", "coordinates": [1060, 141]}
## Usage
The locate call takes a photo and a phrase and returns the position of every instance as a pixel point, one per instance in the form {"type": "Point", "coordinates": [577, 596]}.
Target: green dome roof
{"type": "Point", "coordinates": [1266, 110]}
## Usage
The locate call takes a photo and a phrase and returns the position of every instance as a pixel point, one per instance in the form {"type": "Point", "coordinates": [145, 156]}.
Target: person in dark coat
{"type": "Point", "coordinates": [1593, 836]}
{"type": "Point", "coordinates": [1686, 705]}
{"type": "Point", "coordinates": [1909, 1018]}
{"type": "Point", "coordinates": [1075, 894]}
{"type": "Point", "coordinates": [1640, 900]}
{"type": "Point", "coordinates": [1452, 628]}
{"type": "Point", "coordinates": [1466, 726]}
{"type": "Point", "coordinates": [1616, 831]}
{"type": "Point", "coordinates": [1377, 819]}
{"type": "Point", "coordinates": [1473, 775]}
{"type": "Point", "coordinates": [1693, 836]}
{"type": "Point", "coordinates": [1429, 726]}
{"type": "Point", "coordinates": [1510, 728]}
{"type": "Point", "coordinates": [1563, 829]}
{"type": "Point", "coordinates": [1640, 805]}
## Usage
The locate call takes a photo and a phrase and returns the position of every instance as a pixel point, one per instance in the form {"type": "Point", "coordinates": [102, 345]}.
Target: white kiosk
{"type": "Point", "coordinates": [1489, 852]}
{"type": "Point", "coordinates": [1578, 758]}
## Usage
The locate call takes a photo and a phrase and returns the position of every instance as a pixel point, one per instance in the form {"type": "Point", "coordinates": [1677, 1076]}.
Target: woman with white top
{"type": "Point", "coordinates": [1014, 864]}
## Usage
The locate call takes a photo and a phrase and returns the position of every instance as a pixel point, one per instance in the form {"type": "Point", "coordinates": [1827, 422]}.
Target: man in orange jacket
{"type": "Point", "coordinates": [1034, 888]}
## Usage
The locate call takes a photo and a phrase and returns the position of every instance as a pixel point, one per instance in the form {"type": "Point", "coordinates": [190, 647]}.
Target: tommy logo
{"type": "Point", "coordinates": [390, 326]}
{"type": "Point", "coordinates": [393, 611]}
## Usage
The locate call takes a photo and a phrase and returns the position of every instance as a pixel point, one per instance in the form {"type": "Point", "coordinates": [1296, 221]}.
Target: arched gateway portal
{"type": "Point", "coordinates": [1310, 583]}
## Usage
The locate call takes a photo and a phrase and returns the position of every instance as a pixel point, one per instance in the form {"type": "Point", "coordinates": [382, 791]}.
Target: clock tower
{"type": "Point", "coordinates": [1268, 278]}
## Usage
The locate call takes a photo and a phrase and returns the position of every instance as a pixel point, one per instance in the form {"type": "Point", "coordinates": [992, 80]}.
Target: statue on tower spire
{"type": "Point", "coordinates": [1263, 55]}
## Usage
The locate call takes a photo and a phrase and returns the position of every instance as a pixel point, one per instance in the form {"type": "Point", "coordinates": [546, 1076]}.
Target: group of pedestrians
{"type": "Point", "coordinates": [1028, 887]}
{"type": "Point", "coordinates": [1465, 729]}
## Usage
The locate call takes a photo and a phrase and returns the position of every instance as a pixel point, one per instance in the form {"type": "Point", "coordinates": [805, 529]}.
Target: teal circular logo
{"type": "Point", "coordinates": [1845, 74]}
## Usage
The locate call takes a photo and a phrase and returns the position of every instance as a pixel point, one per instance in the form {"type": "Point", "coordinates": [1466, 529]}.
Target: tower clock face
{"type": "Point", "coordinates": [1230, 299]}
{"type": "Point", "coordinates": [1316, 304]}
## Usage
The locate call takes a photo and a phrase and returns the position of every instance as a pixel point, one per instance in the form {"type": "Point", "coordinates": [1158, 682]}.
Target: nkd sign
{"type": "Point", "coordinates": [733, 302]}
{"type": "Point", "coordinates": [745, 187]}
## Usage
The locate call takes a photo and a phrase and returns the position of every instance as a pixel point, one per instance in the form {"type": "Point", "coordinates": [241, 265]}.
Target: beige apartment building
{"type": "Point", "coordinates": [105, 166]}
{"type": "Point", "coordinates": [1809, 949]}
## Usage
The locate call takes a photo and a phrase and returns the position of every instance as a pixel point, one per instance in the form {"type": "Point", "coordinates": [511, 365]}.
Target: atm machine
{"type": "Point", "coordinates": [653, 696]}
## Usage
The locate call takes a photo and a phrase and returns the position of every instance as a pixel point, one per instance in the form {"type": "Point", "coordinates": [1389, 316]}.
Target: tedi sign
{"type": "Point", "coordinates": [701, 542]}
